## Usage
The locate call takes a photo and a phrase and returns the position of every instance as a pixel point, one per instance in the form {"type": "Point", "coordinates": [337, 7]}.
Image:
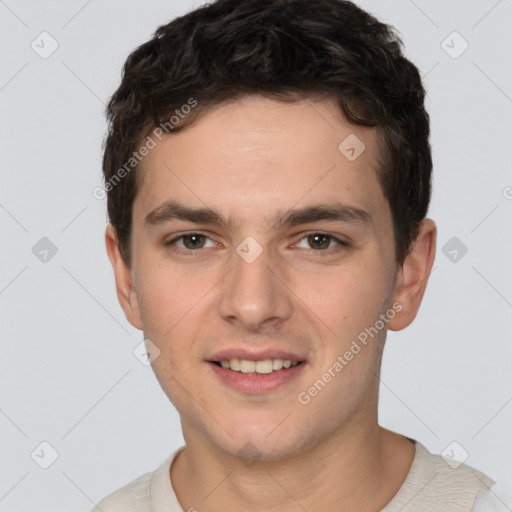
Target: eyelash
{"type": "Point", "coordinates": [188, 252]}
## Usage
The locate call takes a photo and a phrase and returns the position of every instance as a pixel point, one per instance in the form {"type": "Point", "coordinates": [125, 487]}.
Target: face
{"type": "Point", "coordinates": [260, 254]}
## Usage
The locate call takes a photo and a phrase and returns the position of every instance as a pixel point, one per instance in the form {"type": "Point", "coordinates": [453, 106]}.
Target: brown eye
{"type": "Point", "coordinates": [190, 244]}
{"type": "Point", "coordinates": [193, 241]}
{"type": "Point", "coordinates": [319, 241]}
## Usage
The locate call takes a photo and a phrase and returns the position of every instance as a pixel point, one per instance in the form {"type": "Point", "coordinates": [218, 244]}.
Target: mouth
{"type": "Point", "coordinates": [256, 377]}
{"type": "Point", "coordinates": [261, 367]}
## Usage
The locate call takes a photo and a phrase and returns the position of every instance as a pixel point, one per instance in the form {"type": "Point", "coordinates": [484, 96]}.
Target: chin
{"type": "Point", "coordinates": [251, 451]}
{"type": "Point", "coordinates": [264, 443]}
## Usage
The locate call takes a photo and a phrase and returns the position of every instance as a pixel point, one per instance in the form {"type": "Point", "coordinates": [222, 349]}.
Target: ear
{"type": "Point", "coordinates": [126, 293]}
{"type": "Point", "coordinates": [412, 278]}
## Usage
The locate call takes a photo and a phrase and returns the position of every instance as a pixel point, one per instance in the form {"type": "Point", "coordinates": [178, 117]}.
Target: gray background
{"type": "Point", "coordinates": [68, 375]}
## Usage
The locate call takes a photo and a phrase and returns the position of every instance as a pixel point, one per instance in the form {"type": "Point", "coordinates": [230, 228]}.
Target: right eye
{"type": "Point", "coordinates": [190, 243]}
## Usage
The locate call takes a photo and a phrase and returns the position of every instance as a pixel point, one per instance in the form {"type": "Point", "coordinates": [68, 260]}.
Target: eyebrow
{"type": "Point", "coordinates": [173, 210]}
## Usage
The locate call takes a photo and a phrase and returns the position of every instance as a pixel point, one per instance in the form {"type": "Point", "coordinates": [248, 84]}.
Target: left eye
{"type": "Point", "coordinates": [321, 241]}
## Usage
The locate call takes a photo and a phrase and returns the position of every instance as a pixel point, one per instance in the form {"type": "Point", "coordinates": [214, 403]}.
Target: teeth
{"type": "Point", "coordinates": [234, 364]}
{"type": "Point", "coordinates": [277, 364]}
{"type": "Point", "coordinates": [262, 367]}
{"type": "Point", "coordinates": [247, 366]}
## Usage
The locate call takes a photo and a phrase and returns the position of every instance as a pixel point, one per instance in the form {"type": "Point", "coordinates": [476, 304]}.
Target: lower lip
{"type": "Point", "coordinates": [256, 384]}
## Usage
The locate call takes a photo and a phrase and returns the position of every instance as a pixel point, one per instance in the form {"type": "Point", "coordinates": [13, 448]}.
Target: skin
{"type": "Point", "coordinates": [248, 160]}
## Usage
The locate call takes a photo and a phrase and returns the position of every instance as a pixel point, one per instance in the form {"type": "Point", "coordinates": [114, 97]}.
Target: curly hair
{"type": "Point", "coordinates": [285, 50]}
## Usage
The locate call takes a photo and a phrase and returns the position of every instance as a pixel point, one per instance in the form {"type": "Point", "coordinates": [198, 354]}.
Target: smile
{"type": "Point", "coordinates": [263, 366]}
{"type": "Point", "coordinates": [256, 377]}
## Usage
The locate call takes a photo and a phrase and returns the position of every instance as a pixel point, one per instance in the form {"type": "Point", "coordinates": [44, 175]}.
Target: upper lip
{"type": "Point", "coordinates": [253, 355]}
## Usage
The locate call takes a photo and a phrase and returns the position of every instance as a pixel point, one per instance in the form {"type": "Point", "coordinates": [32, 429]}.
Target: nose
{"type": "Point", "coordinates": [254, 295]}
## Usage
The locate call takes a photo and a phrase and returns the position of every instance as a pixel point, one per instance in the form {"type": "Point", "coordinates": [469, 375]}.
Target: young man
{"type": "Point", "coordinates": [268, 172]}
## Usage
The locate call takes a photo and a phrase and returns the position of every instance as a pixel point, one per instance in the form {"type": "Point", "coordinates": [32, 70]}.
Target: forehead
{"type": "Point", "coordinates": [256, 156]}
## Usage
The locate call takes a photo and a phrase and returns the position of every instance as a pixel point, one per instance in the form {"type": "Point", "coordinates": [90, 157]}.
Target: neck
{"type": "Point", "coordinates": [352, 470]}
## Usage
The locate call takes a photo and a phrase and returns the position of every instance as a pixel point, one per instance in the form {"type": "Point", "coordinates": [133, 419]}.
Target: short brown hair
{"type": "Point", "coordinates": [282, 49]}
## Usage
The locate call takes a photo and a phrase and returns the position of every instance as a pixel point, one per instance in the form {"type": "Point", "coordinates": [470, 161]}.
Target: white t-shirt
{"type": "Point", "coordinates": [431, 485]}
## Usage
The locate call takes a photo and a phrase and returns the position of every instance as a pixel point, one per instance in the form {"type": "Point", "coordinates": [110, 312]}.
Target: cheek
{"type": "Point", "coordinates": [168, 299]}
{"type": "Point", "coordinates": [345, 300]}
{"type": "Point", "coordinates": [170, 302]}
